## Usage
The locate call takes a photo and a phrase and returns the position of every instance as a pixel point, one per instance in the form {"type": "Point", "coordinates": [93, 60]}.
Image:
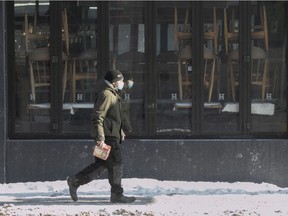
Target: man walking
{"type": "Point", "coordinates": [106, 127]}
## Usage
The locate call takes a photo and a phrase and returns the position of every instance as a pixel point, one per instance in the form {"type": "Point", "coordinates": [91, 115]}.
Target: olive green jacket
{"type": "Point", "coordinates": [106, 117]}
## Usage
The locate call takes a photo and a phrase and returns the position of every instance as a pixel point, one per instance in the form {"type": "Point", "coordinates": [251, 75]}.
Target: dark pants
{"type": "Point", "coordinates": [113, 164]}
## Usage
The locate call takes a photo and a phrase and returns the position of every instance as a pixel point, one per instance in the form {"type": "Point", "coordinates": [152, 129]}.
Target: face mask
{"type": "Point", "coordinates": [130, 83]}
{"type": "Point", "coordinates": [120, 85]}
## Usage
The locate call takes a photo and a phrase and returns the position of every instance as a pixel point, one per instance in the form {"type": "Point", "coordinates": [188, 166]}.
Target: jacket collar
{"type": "Point", "coordinates": [111, 87]}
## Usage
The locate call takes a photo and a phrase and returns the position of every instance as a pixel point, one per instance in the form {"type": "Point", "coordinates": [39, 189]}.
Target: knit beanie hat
{"type": "Point", "coordinates": [113, 75]}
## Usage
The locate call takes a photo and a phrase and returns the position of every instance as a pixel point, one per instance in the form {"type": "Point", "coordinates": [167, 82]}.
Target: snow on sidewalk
{"type": "Point", "coordinates": [154, 197]}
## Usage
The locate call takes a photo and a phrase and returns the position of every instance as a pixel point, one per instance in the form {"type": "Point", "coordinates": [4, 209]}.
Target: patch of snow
{"type": "Point", "coordinates": [153, 198]}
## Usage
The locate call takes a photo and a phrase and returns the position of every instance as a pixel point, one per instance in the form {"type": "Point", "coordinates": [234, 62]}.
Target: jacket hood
{"type": "Point", "coordinates": [102, 85]}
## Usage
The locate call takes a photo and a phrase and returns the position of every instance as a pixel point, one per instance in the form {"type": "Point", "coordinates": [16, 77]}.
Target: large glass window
{"type": "Point", "coordinates": [32, 66]}
{"type": "Point", "coordinates": [220, 52]}
{"type": "Point", "coordinates": [193, 68]}
{"type": "Point", "coordinates": [80, 21]}
{"type": "Point", "coordinates": [127, 54]}
{"type": "Point", "coordinates": [174, 68]}
{"type": "Point", "coordinates": [268, 69]}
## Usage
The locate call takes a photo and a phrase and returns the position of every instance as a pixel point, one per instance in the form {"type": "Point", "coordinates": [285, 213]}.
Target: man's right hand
{"type": "Point", "coordinates": [99, 143]}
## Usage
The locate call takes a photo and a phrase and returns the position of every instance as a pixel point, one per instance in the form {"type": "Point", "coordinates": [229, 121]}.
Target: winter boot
{"type": "Point", "coordinates": [121, 198]}
{"type": "Point", "coordinates": [73, 183]}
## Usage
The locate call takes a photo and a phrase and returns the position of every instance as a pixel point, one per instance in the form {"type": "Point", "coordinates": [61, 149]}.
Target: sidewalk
{"type": "Point", "coordinates": [154, 198]}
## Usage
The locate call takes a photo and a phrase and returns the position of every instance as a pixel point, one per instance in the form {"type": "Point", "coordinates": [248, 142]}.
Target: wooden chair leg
{"type": "Point", "coordinates": [73, 82]}
{"type": "Point", "coordinates": [275, 77]}
{"type": "Point", "coordinates": [265, 26]}
{"type": "Point", "coordinates": [176, 29]}
{"type": "Point", "coordinates": [211, 84]}
{"type": "Point", "coordinates": [180, 80]}
{"type": "Point", "coordinates": [64, 80]}
{"type": "Point", "coordinates": [218, 76]}
{"type": "Point", "coordinates": [66, 33]}
{"type": "Point", "coordinates": [232, 79]}
{"type": "Point", "coordinates": [215, 30]}
{"type": "Point", "coordinates": [32, 82]}
{"type": "Point", "coordinates": [225, 31]}
{"type": "Point", "coordinates": [264, 79]}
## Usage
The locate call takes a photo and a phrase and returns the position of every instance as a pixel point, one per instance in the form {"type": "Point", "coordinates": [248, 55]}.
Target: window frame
{"type": "Point", "coordinates": [151, 78]}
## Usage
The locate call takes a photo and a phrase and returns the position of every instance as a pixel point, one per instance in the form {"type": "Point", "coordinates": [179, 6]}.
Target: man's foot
{"type": "Point", "coordinates": [72, 182]}
{"type": "Point", "coordinates": [121, 199]}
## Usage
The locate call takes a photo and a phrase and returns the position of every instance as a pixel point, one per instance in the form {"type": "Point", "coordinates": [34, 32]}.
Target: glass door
{"type": "Point", "coordinates": [268, 70]}
{"type": "Point", "coordinates": [127, 54]}
{"type": "Point", "coordinates": [219, 68]}
{"type": "Point", "coordinates": [80, 33]}
{"type": "Point", "coordinates": [32, 66]}
{"type": "Point", "coordinates": [174, 68]}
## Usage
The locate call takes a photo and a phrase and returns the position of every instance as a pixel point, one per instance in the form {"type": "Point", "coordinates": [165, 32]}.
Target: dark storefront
{"type": "Point", "coordinates": [209, 100]}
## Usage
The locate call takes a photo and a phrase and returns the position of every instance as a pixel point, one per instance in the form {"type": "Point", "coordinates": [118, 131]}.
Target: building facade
{"type": "Point", "coordinates": [209, 100]}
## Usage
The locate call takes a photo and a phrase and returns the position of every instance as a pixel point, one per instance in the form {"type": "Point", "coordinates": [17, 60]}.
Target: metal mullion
{"type": "Point", "coordinates": [286, 52]}
{"type": "Point", "coordinates": [102, 40]}
{"type": "Point", "coordinates": [247, 96]}
{"type": "Point", "coordinates": [244, 62]}
{"type": "Point", "coordinates": [56, 67]}
{"type": "Point", "coordinates": [150, 68]}
{"type": "Point", "coordinates": [197, 56]}
{"type": "Point", "coordinates": [8, 11]}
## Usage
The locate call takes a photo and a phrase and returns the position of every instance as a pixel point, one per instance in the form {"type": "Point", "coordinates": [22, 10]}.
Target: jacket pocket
{"type": "Point", "coordinates": [108, 126]}
{"type": "Point", "coordinates": [116, 129]}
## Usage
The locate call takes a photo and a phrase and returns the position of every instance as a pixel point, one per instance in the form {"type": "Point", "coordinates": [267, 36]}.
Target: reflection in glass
{"type": "Point", "coordinates": [268, 70]}
{"type": "Point", "coordinates": [127, 54]}
{"type": "Point", "coordinates": [32, 66]}
{"type": "Point", "coordinates": [80, 22]}
{"type": "Point", "coordinates": [222, 75]}
{"type": "Point", "coordinates": [220, 65]}
{"type": "Point", "coordinates": [174, 68]}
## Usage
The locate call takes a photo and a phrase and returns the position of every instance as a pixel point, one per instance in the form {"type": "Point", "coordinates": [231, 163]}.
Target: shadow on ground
{"type": "Point", "coordinates": [67, 201]}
